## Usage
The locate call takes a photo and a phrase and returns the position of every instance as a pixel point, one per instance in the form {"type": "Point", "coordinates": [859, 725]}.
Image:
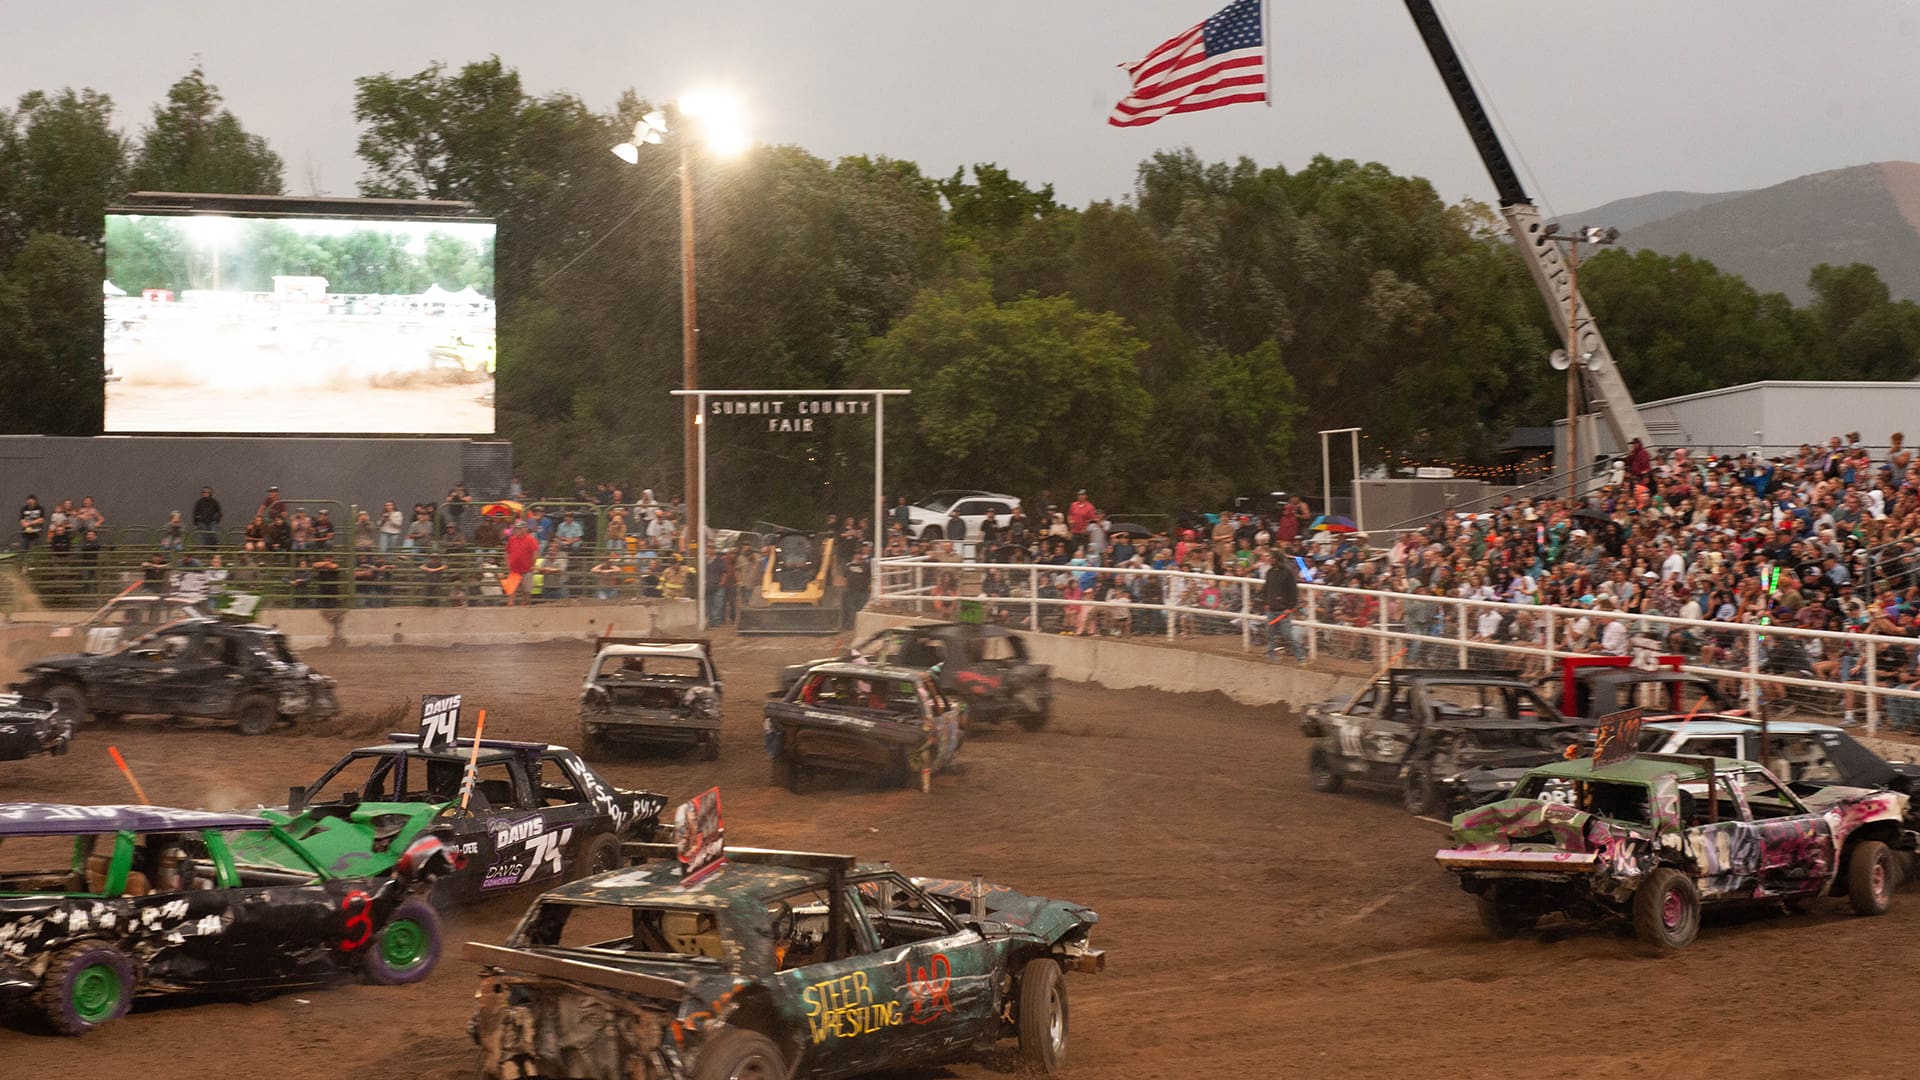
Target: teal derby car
{"type": "Point", "coordinates": [775, 964]}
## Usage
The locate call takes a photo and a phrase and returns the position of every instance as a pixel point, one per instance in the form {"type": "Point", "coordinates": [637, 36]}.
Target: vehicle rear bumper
{"type": "Point", "coordinates": [659, 723]}
{"type": "Point", "coordinates": [1493, 860]}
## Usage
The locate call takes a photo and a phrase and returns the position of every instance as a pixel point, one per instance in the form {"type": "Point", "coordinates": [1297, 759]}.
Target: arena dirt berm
{"type": "Point", "coordinates": [1253, 927]}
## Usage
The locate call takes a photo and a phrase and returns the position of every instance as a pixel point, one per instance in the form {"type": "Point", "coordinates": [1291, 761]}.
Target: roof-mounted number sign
{"type": "Point", "coordinates": [439, 720]}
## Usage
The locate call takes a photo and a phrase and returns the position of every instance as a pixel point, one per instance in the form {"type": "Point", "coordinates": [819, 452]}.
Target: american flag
{"type": "Point", "coordinates": [1220, 62]}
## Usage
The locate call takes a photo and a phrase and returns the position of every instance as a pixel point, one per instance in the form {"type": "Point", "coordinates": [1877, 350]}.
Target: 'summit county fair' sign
{"type": "Point", "coordinates": [796, 414]}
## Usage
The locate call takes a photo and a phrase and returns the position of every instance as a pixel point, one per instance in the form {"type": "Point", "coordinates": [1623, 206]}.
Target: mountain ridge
{"type": "Point", "coordinates": [1773, 236]}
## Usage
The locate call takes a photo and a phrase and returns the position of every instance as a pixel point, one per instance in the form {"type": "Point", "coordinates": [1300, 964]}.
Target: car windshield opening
{"type": "Point", "coordinates": [1601, 798]}
{"type": "Point", "coordinates": [685, 668]}
{"type": "Point", "coordinates": [369, 778]}
{"type": "Point", "coordinates": [616, 928]}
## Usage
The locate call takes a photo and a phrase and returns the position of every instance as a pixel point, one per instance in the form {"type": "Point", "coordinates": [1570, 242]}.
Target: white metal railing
{"type": "Point", "coordinates": [1752, 661]}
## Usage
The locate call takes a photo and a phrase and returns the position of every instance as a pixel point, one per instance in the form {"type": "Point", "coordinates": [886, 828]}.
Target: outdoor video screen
{"type": "Point", "coordinates": [298, 325]}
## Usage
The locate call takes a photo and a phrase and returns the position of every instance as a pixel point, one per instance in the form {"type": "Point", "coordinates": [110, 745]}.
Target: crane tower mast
{"type": "Point", "coordinates": [1604, 385]}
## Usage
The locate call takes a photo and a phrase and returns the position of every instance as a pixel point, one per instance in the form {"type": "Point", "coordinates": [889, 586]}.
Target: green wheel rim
{"type": "Point", "coordinates": [95, 993]}
{"type": "Point", "coordinates": [403, 944]}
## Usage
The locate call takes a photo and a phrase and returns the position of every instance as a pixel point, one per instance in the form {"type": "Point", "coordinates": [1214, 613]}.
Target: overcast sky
{"type": "Point", "coordinates": [1599, 100]}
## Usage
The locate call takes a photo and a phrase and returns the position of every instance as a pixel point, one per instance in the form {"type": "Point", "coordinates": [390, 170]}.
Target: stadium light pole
{"type": "Point", "coordinates": [1595, 235]}
{"type": "Point", "coordinates": [723, 131]}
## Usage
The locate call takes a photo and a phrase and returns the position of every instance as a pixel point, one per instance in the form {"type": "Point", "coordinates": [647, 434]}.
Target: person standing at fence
{"type": "Point", "coordinates": [522, 551]}
{"type": "Point", "coordinates": [206, 519]}
{"type": "Point", "coordinates": [859, 574]}
{"type": "Point", "coordinates": [173, 535]}
{"type": "Point", "coordinates": [33, 523]}
{"type": "Point", "coordinates": [1079, 514]}
{"type": "Point", "coordinates": [454, 506]}
{"type": "Point", "coordinates": [391, 524]}
{"type": "Point", "coordinates": [719, 572]}
{"type": "Point", "coordinates": [1282, 595]}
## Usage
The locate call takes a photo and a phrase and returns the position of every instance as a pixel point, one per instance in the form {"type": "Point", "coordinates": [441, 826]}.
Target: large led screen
{"type": "Point", "coordinates": [298, 325]}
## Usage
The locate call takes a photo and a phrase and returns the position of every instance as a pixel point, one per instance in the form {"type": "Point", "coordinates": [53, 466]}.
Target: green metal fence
{"type": "Point", "coordinates": [339, 576]}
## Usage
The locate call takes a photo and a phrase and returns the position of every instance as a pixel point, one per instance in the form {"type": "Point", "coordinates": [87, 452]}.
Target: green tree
{"type": "Point", "coordinates": [51, 339]}
{"type": "Point", "coordinates": [195, 145]}
{"type": "Point", "coordinates": [432, 135]}
{"type": "Point", "coordinates": [61, 165]}
{"type": "Point", "coordinates": [1679, 325]}
{"type": "Point", "coordinates": [1011, 395]}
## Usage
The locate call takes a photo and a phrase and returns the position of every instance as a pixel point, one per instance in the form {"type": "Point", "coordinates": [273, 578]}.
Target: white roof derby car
{"type": "Point", "coordinates": [653, 690]}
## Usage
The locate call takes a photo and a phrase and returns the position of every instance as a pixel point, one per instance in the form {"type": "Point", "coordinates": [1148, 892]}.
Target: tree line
{"type": "Point", "coordinates": [1167, 350]}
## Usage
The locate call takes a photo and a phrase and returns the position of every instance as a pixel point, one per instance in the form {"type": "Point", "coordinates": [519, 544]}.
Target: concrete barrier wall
{"type": "Point", "coordinates": [26, 638]}
{"type": "Point", "coordinates": [1119, 664]}
{"type": "Point", "coordinates": [1122, 664]}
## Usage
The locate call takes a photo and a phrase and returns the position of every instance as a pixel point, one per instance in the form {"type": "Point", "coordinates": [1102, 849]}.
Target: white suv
{"type": "Point", "coordinates": [928, 517]}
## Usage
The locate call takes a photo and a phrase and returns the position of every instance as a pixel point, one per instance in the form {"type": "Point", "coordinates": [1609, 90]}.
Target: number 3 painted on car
{"type": "Point", "coordinates": [359, 922]}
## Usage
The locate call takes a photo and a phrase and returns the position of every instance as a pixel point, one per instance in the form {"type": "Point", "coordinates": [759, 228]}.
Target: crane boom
{"type": "Point", "coordinates": [1542, 256]}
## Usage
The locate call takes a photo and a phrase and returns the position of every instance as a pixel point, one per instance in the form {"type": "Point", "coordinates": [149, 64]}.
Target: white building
{"type": "Point", "coordinates": [1775, 417]}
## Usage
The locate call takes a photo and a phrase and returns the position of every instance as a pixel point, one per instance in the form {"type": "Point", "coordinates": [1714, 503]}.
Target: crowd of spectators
{"type": "Point", "coordinates": [1825, 537]}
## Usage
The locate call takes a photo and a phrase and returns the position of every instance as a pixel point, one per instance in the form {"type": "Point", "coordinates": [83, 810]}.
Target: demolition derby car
{"type": "Point", "coordinates": [1447, 738]}
{"type": "Point", "coordinates": [30, 727]}
{"type": "Point", "coordinates": [1807, 755]}
{"type": "Point", "coordinates": [869, 719]}
{"type": "Point", "coordinates": [984, 666]}
{"type": "Point", "coordinates": [99, 904]}
{"type": "Point", "coordinates": [775, 964]}
{"type": "Point", "coordinates": [126, 616]}
{"type": "Point", "coordinates": [655, 689]}
{"type": "Point", "coordinates": [1654, 838]}
{"type": "Point", "coordinates": [199, 667]}
{"type": "Point", "coordinates": [537, 814]}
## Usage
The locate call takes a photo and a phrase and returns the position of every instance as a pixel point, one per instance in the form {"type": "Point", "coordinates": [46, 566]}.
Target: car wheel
{"type": "Point", "coordinates": [1666, 910]}
{"type": "Point", "coordinates": [601, 855]}
{"type": "Point", "coordinates": [1419, 794]}
{"type": "Point", "coordinates": [1501, 920]}
{"type": "Point", "coordinates": [933, 532]}
{"type": "Point", "coordinates": [786, 773]}
{"type": "Point", "coordinates": [738, 1054]}
{"type": "Point", "coordinates": [1043, 1016]}
{"type": "Point", "coordinates": [1039, 711]}
{"type": "Point", "coordinates": [1324, 778]}
{"type": "Point", "coordinates": [86, 985]}
{"type": "Point", "coordinates": [1870, 874]}
{"type": "Point", "coordinates": [69, 702]}
{"type": "Point", "coordinates": [593, 740]}
{"type": "Point", "coordinates": [710, 748]}
{"type": "Point", "coordinates": [406, 948]}
{"type": "Point", "coordinates": [256, 714]}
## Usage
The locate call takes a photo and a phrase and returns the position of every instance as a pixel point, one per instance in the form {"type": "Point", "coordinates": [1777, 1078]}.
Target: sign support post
{"type": "Point", "coordinates": [702, 557]}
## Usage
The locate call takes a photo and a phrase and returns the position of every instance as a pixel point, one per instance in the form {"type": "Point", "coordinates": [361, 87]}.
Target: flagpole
{"type": "Point", "coordinates": [1266, 49]}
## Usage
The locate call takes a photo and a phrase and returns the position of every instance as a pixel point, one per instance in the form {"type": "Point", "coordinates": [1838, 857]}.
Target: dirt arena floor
{"type": "Point", "coordinates": [1253, 927]}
